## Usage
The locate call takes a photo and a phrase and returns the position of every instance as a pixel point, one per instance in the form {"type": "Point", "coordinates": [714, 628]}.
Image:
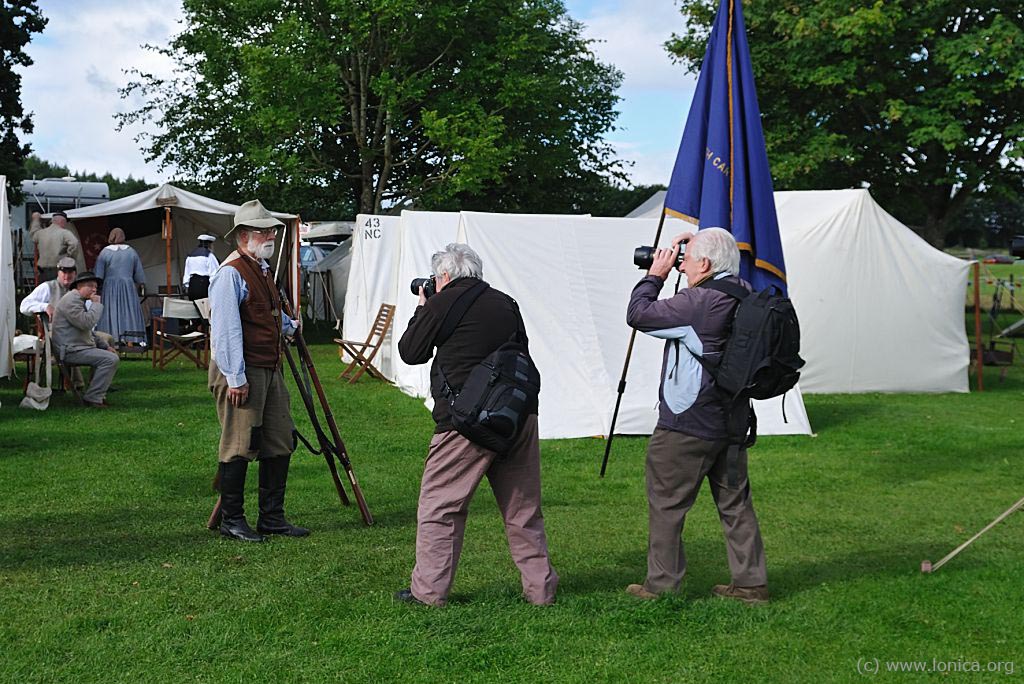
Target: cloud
{"type": "Point", "coordinates": [631, 35]}
{"type": "Point", "coordinates": [81, 61]}
{"type": "Point", "coordinates": [103, 84]}
{"type": "Point", "coordinates": [656, 92]}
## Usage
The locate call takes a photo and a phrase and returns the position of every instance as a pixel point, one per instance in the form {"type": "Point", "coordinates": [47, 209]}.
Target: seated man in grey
{"type": "Point", "coordinates": [77, 343]}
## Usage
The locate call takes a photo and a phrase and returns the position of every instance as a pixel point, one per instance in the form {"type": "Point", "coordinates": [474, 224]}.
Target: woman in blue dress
{"type": "Point", "coordinates": [121, 269]}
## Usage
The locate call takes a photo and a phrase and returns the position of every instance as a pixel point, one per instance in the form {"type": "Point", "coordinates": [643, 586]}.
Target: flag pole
{"type": "Point", "coordinates": [625, 367]}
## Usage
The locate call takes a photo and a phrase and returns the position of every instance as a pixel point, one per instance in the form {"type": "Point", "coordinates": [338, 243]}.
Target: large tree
{"type": "Point", "coordinates": [337, 106]}
{"type": "Point", "coordinates": [19, 19]}
{"type": "Point", "coordinates": [921, 99]}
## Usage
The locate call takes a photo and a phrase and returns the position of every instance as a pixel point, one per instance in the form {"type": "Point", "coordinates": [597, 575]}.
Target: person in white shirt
{"type": "Point", "coordinates": [46, 295]}
{"type": "Point", "coordinates": [44, 298]}
{"type": "Point", "coordinates": [200, 265]}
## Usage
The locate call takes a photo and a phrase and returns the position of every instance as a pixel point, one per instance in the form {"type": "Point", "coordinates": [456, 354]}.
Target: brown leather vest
{"type": "Point", "coordinates": [260, 312]}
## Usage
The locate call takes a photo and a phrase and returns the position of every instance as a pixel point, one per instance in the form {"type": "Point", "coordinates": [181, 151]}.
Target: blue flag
{"type": "Point", "coordinates": [721, 177]}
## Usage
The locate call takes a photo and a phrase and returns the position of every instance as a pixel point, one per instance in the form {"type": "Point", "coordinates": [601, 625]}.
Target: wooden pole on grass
{"type": "Point", "coordinates": [296, 271]}
{"type": "Point", "coordinates": [979, 346]}
{"type": "Point", "coordinates": [167, 241]}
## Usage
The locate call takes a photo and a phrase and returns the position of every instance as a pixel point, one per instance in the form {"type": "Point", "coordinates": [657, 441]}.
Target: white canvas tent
{"type": "Point", "coordinates": [7, 312]}
{"type": "Point", "coordinates": [372, 280]}
{"type": "Point", "coordinates": [572, 276]}
{"type": "Point", "coordinates": [163, 225]}
{"type": "Point", "coordinates": [880, 309]}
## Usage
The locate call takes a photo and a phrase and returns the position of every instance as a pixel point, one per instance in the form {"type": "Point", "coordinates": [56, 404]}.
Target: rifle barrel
{"type": "Point", "coordinates": [325, 448]}
{"type": "Point", "coordinates": [340, 452]}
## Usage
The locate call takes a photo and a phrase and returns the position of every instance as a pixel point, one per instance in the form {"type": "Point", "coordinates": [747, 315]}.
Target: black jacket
{"type": "Point", "coordinates": [489, 323]}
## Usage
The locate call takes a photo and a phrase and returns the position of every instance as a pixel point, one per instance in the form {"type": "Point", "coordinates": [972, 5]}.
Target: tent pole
{"type": "Point", "coordinates": [625, 368]}
{"type": "Point", "coordinates": [296, 274]}
{"type": "Point", "coordinates": [979, 362]}
{"type": "Point", "coordinates": [168, 228]}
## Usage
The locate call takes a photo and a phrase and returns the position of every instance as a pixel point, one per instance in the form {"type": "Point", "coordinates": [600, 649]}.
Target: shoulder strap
{"type": "Point", "coordinates": [457, 311]}
{"type": "Point", "coordinates": [734, 290]}
{"type": "Point", "coordinates": [520, 325]}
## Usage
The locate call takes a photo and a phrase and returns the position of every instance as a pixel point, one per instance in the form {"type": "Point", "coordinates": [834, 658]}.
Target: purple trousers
{"type": "Point", "coordinates": [453, 469]}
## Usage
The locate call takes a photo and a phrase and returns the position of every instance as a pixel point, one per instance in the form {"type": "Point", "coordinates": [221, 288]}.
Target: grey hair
{"type": "Point", "coordinates": [718, 246]}
{"type": "Point", "coordinates": [458, 261]}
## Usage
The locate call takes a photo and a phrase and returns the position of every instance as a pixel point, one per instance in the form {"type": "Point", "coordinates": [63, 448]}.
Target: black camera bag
{"type": "Point", "coordinates": [491, 407]}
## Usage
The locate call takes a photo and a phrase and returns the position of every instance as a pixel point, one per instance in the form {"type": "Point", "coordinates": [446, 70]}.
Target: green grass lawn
{"type": "Point", "coordinates": [108, 574]}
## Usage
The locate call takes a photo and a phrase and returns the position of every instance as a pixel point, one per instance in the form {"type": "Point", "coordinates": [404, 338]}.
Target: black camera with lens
{"type": "Point", "coordinates": [643, 256]}
{"type": "Point", "coordinates": [429, 285]}
{"type": "Point", "coordinates": [1017, 246]}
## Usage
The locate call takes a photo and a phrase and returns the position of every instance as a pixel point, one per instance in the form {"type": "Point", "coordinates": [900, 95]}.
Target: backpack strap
{"type": "Point", "coordinates": [734, 290]}
{"type": "Point", "coordinates": [451, 320]}
{"type": "Point", "coordinates": [517, 336]}
{"type": "Point", "coordinates": [457, 311]}
{"type": "Point", "coordinates": [741, 421]}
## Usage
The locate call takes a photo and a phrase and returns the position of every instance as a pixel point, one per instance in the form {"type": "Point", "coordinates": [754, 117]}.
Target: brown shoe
{"type": "Point", "coordinates": [640, 592]}
{"type": "Point", "coordinates": [95, 405]}
{"type": "Point", "coordinates": [749, 595]}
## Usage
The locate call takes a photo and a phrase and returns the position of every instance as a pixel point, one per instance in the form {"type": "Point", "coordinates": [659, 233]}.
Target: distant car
{"type": "Point", "coordinates": [998, 259]}
{"type": "Point", "coordinates": [310, 255]}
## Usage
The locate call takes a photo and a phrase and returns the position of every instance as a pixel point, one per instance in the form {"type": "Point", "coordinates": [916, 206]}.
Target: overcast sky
{"type": "Point", "coordinates": [88, 45]}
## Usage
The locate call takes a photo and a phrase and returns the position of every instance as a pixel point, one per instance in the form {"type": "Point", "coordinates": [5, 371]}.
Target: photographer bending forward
{"type": "Point", "coordinates": [689, 442]}
{"type": "Point", "coordinates": [455, 465]}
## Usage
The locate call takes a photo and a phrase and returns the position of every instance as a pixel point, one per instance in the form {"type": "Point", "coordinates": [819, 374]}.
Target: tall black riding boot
{"type": "Point", "coordinates": [273, 477]}
{"type": "Point", "coordinates": [232, 498]}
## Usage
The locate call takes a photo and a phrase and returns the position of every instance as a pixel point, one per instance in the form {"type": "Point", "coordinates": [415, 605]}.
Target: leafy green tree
{"type": "Point", "coordinates": [19, 19]}
{"type": "Point", "coordinates": [337, 106]}
{"type": "Point", "coordinates": [39, 168]}
{"type": "Point", "coordinates": [921, 99]}
{"type": "Point", "coordinates": [988, 219]}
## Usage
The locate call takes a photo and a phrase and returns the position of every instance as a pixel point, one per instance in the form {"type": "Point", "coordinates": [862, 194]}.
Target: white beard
{"type": "Point", "coordinates": [264, 251]}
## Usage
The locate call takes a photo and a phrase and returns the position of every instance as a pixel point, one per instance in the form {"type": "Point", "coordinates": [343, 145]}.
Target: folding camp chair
{"type": "Point", "coordinates": [362, 353]}
{"type": "Point", "coordinates": [169, 343]}
{"type": "Point", "coordinates": [70, 377]}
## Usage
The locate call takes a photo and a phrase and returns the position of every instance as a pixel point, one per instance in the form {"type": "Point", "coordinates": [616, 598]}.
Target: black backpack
{"type": "Point", "coordinates": [762, 354]}
{"type": "Point", "coordinates": [491, 407]}
{"type": "Point", "coordinates": [761, 360]}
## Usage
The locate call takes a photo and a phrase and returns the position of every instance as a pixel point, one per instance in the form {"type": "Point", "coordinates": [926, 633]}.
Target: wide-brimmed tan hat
{"type": "Point", "coordinates": [253, 214]}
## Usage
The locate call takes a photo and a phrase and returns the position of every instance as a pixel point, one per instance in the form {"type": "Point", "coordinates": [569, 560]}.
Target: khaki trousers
{"type": "Point", "coordinates": [453, 469]}
{"type": "Point", "coordinates": [262, 426]}
{"type": "Point", "coordinates": [676, 467]}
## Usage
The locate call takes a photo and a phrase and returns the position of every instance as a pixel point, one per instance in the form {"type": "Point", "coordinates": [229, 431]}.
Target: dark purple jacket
{"type": "Point", "coordinates": [695, 319]}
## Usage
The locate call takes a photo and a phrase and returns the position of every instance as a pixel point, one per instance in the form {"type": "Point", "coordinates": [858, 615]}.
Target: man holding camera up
{"type": "Point", "coordinates": [690, 441]}
{"type": "Point", "coordinates": [455, 465]}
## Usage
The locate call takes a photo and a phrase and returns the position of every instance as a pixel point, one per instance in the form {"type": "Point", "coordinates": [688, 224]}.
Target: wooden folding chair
{"type": "Point", "coordinates": [66, 372]}
{"type": "Point", "coordinates": [362, 353]}
{"type": "Point", "coordinates": [169, 345]}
